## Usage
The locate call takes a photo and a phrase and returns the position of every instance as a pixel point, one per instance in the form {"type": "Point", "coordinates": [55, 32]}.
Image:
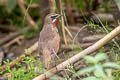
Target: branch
{"type": "Point", "coordinates": [11, 36]}
{"type": "Point", "coordinates": [75, 58]}
{"type": "Point", "coordinates": [17, 39]}
{"type": "Point", "coordinates": [92, 38]}
{"type": "Point", "coordinates": [7, 28]}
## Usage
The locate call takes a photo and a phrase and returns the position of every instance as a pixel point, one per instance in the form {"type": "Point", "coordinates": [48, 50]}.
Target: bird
{"type": "Point", "coordinates": [49, 39]}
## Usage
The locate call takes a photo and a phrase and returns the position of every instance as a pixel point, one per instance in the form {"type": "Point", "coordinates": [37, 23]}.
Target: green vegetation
{"type": "Point", "coordinates": [25, 70]}
{"type": "Point", "coordinates": [98, 68]}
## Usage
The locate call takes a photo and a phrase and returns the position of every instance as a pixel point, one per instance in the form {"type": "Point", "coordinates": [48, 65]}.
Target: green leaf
{"type": "Point", "coordinates": [109, 72]}
{"type": "Point", "coordinates": [91, 78]}
{"type": "Point", "coordinates": [55, 77]}
{"type": "Point", "coordinates": [27, 51]}
{"type": "Point", "coordinates": [99, 71]}
{"type": "Point", "coordinates": [89, 59]}
{"type": "Point", "coordinates": [100, 57]}
{"type": "Point", "coordinates": [118, 3]}
{"type": "Point", "coordinates": [10, 5]}
{"type": "Point", "coordinates": [111, 65]}
{"type": "Point", "coordinates": [84, 71]}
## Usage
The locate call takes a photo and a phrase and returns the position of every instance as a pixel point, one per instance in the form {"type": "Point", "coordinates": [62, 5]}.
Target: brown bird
{"type": "Point", "coordinates": [49, 39]}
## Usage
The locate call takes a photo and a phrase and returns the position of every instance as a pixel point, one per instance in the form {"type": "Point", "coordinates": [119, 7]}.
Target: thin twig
{"type": "Point", "coordinates": [69, 32]}
{"type": "Point", "coordinates": [28, 17]}
{"type": "Point", "coordinates": [12, 36]}
{"type": "Point", "coordinates": [66, 28]}
{"type": "Point", "coordinates": [63, 26]}
{"type": "Point", "coordinates": [78, 33]}
{"type": "Point", "coordinates": [17, 39]}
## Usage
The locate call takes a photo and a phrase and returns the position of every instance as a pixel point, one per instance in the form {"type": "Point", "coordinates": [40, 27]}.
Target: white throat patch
{"type": "Point", "coordinates": [54, 28]}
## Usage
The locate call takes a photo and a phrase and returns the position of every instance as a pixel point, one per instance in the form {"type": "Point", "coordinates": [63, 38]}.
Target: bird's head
{"type": "Point", "coordinates": [52, 19]}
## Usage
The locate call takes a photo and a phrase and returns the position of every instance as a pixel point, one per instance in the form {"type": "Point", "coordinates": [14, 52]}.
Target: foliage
{"type": "Point", "coordinates": [25, 70]}
{"type": "Point", "coordinates": [97, 69]}
{"type": "Point", "coordinates": [10, 5]}
{"type": "Point", "coordinates": [79, 4]}
{"type": "Point", "coordinates": [12, 15]}
{"type": "Point", "coordinates": [13, 18]}
{"type": "Point", "coordinates": [83, 5]}
{"type": "Point", "coordinates": [33, 1]}
{"type": "Point", "coordinates": [118, 3]}
{"type": "Point", "coordinates": [106, 5]}
{"type": "Point", "coordinates": [30, 33]}
{"type": "Point", "coordinates": [93, 25]}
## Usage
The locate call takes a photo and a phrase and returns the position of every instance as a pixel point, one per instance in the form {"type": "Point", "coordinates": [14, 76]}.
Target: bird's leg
{"type": "Point", "coordinates": [41, 58]}
{"type": "Point", "coordinates": [54, 55]}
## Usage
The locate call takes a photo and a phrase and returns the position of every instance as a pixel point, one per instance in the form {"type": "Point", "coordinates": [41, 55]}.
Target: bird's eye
{"type": "Point", "coordinates": [53, 17]}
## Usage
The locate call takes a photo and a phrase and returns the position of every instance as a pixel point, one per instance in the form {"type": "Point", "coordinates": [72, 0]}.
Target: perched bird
{"type": "Point", "coordinates": [49, 39]}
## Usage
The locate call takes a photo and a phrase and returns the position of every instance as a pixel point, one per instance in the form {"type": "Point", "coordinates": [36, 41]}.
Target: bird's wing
{"type": "Point", "coordinates": [54, 43]}
{"type": "Point", "coordinates": [45, 36]}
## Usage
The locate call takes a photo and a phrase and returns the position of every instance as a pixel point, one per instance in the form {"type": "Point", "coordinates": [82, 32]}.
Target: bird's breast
{"type": "Point", "coordinates": [49, 38]}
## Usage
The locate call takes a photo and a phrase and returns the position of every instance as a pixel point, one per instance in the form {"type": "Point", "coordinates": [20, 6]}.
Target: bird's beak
{"type": "Point", "coordinates": [58, 16]}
